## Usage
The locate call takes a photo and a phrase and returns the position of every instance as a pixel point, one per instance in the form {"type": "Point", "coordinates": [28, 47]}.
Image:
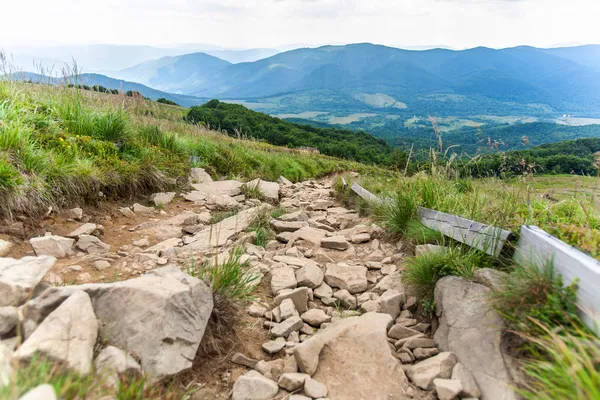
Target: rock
{"type": "Point", "coordinates": [112, 363]}
{"type": "Point", "coordinates": [310, 276]}
{"type": "Point", "coordinates": [9, 317]}
{"type": "Point", "coordinates": [350, 278]}
{"type": "Point", "coordinates": [143, 242]}
{"type": "Point", "coordinates": [74, 213]}
{"type": "Point", "coordinates": [416, 342]}
{"type": "Point", "coordinates": [269, 189]}
{"type": "Point", "coordinates": [287, 226]}
{"type": "Point", "coordinates": [347, 300]}
{"type": "Point", "coordinates": [284, 181]}
{"type": "Point", "coordinates": [5, 247]}
{"type": "Point", "coordinates": [335, 243]}
{"type": "Point", "coordinates": [370, 306]}
{"type": "Point", "coordinates": [473, 330]}
{"type": "Point", "coordinates": [299, 397]}
{"type": "Point", "coordinates": [140, 209]}
{"type": "Point", "coordinates": [491, 278]}
{"type": "Point", "coordinates": [353, 360]}
{"type": "Point", "coordinates": [161, 199]}
{"type": "Point", "coordinates": [163, 323]}
{"type": "Point", "coordinates": [423, 373]}
{"type": "Point", "coordinates": [282, 278]}
{"type": "Point", "coordinates": [6, 369]}
{"type": "Point", "coordinates": [253, 386]}
{"type": "Point", "coordinates": [240, 359]}
{"type": "Point", "coordinates": [391, 281]}
{"type": "Point", "coordinates": [84, 277]}
{"type": "Point", "coordinates": [53, 279]}
{"type": "Point", "coordinates": [320, 205]}
{"type": "Point", "coordinates": [92, 245]}
{"type": "Point", "coordinates": [311, 235]}
{"type": "Point", "coordinates": [204, 394]}
{"type": "Point", "coordinates": [469, 387]}
{"type": "Point", "coordinates": [256, 310]}
{"type": "Point", "coordinates": [314, 389]}
{"type": "Point", "coordinates": [274, 346]}
{"type": "Point", "coordinates": [315, 317]}
{"type": "Point", "coordinates": [284, 328]}
{"type": "Point", "coordinates": [101, 265]}
{"type": "Point", "coordinates": [292, 381]}
{"type": "Point", "coordinates": [127, 212]}
{"type": "Point", "coordinates": [18, 278]}
{"type": "Point", "coordinates": [41, 392]}
{"type": "Point", "coordinates": [400, 332]}
{"type": "Point", "coordinates": [199, 175]}
{"type": "Point", "coordinates": [85, 229]}
{"type": "Point", "coordinates": [421, 354]}
{"type": "Point", "coordinates": [390, 302]}
{"type": "Point", "coordinates": [287, 309]}
{"type": "Point", "coordinates": [295, 216]}
{"type": "Point", "coordinates": [361, 238]}
{"type": "Point", "coordinates": [67, 335]}
{"type": "Point", "coordinates": [223, 188]}
{"type": "Point", "coordinates": [299, 296]}
{"type": "Point", "coordinates": [55, 246]}
{"type": "Point", "coordinates": [222, 202]}
{"type": "Point", "coordinates": [324, 290]}
{"type": "Point", "coordinates": [447, 389]}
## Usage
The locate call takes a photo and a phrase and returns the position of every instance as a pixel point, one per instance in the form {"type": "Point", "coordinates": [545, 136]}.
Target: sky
{"type": "Point", "coordinates": [277, 23]}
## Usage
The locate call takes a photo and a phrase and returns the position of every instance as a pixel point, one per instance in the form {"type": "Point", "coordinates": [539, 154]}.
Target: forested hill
{"type": "Point", "coordinates": [238, 120]}
{"type": "Point", "coordinates": [568, 157]}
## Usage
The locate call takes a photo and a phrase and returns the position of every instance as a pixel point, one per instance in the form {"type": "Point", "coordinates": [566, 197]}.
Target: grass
{"type": "Point", "coordinates": [61, 145]}
{"type": "Point", "coordinates": [420, 234]}
{"type": "Point", "coordinates": [219, 216]}
{"type": "Point", "coordinates": [252, 191]}
{"type": "Point", "coordinates": [260, 226]}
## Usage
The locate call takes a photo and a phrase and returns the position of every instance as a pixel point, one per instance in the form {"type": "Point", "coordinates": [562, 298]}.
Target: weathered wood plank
{"type": "Point", "coordinates": [486, 238]}
{"type": "Point", "coordinates": [537, 247]}
{"type": "Point", "coordinates": [364, 193]}
{"type": "Point", "coordinates": [344, 183]}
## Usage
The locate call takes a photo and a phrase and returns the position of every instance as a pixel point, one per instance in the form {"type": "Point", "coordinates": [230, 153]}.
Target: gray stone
{"type": "Point", "coordinates": [85, 229]}
{"type": "Point", "coordinates": [491, 278]}
{"type": "Point", "coordinates": [74, 213]}
{"type": "Point", "coordinates": [41, 392]}
{"type": "Point", "coordinates": [423, 373]}
{"type": "Point", "coordinates": [292, 381]}
{"type": "Point", "coordinates": [471, 329]}
{"type": "Point", "coordinates": [335, 243]}
{"type": "Point", "coordinates": [346, 299]}
{"type": "Point", "coordinates": [353, 360]}
{"type": "Point", "coordinates": [92, 245]}
{"type": "Point", "coordinates": [9, 317]}
{"type": "Point", "coordinates": [469, 386]}
{"type": "Point", "coordinates": [295, 216]}
{"type": "Point", "coordinates": [199, 175]}
{"type": "Point", "coordinates": [6, 369]}
{"type": "Point", "coordinates": [112, 363]}
{"type": "Point", "coordinates": [400, 332]}
{"type": "Point", "coordinates": [18, 278]}
{"type": "Point", "coordinates": [67, 335]}
{"type": "Point", "coordinates": [447, 389]}
{"type": "Point", "coordinates": [390, 302]}
{"type": "Point", "coordinates": [324, 290]}
{"type": "Point", "coordinates": [282, 278]}
{"type": "Point", "coordinates": [287, 309]}
{"type": "Point", "coordinates": [391, 281]}
{"type": "Point", "coordinates": [314, 389]}
{"type": "Point", "coordinates": [310, 276]}
{"type": "Point", "coordinates": [55, 246]}
{"type": "Point", "coordinates": [361, 238]}
{"type": "Point", "coordinates": [299, 296]}
{"type": "Point", "coordinates": [256, 310]}
{"type": "Point", "coordinates": [287, 226]}
{"type": "Point", "coordinates": [421, 354]}
{"type": "Point", "coordinates": [270, 190]}
{"type": "Point", "coordinates": [351, 278]}
{"type": "Point", "coordinates": [254, 386]}
{"type": "Point", "coordinates": [101, 265]}
{"type": "Point", "coordinates": [161, 199]}
{"type": "Point", "coordinates": [127, 212]}
{"type": "Point", "coordinates": [370, 306]}
{"type": "Point", "coordinates": [5, 248]}
{"type": "Point", "coordinates": [140, 209]}
{"type": "Point", "coordinates": [284, 328]}
{"type": "Point", "coordinates": [240, 359]}
{"type": "Point", "coordinates": [315, 317]}
{"type": "Point", "coordinates": [416, 342]}
{"type": "Point", "coordinates": [274, 346]}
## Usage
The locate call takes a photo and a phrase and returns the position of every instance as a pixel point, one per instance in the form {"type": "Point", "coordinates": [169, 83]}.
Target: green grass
{"type": "Point", "coordinates": [253, 191]}
{"type": "Point", "coordinates": [219, 216]}
{"type": "Point", "coordinates": [260, 226]}
{"type": "Point", "coordinates": [60, 145]}
{"type": "Point", "coordinates": [420, 234]}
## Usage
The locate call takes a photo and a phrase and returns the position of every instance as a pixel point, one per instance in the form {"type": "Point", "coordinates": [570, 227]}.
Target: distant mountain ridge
{"type": "Point", "coordinates": [563, 79]}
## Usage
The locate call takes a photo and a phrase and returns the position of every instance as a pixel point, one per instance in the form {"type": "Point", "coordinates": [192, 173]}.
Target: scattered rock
{"type": "Point", "coordinates": [240, 359]}
{"type": "Point", "coordinates": [256, 310]}
{"type": "Point", "coordinates": [469, 387]}
{"type": "Point", "coordinates": [253, 386]}
{"type": "Point", "coordinates": [5, 247]}
{"type": "Point", "coordinates": [92, 245]}
{"type": "Point", "coordinates": [199, 175]}
{"type": "Point", "coordinates": [9, 317]}
{"type": "Point", "coordinates": [361, 238]}
{"type": "Point", "coordinates": [347, 300]}
{"type": "Point", "coordinates": [400, 332]}
{"type": "Point", "coordinates": [140, 209]}
{"type": "Point", "coordinates": [284, 328]}
{"type": "Point", "coordinates": [314, 389]}
{"type": "Point", "coordinates": [55, 246]}
{"type": "Point", "coordinates": [292, 381]}
{"type": "Point", "coordinates": [127, 212]}
{"type": "Point", "coordinates": [287, 309]}
{"type": "Point", "coordinates": [67, 335]}
{"type": "Point", "coordinates": [324, 290]}
{"type": "Point", "coordinates": [74, 213]}
{"type": "Point", "coordinates": [53, 279]}
{"type": "Point", "coordinates": [287, 226]}
{"type": "Point", "coordinates": [423, 373]}
{"type": "Point", "coordinates": [315, 317]}
{"type": "Point", "coordinates": [335, 243]}
{"type": "Point", "coordinates": [85, 229]}
{"type": "Point", "coordinates": [390, 302]}
{"type": "Point", "coordinates": [350, 278]}
{"type": "Point", "coordinates": [295, 216]}
{"type": "Point", "coordinates": [310, 276]}
{"type": "Point", "coordinates": [421, 354]}
{"type": "Point", "coordinates": [112, 363]}
{"type": "Point", "coordinates": [299, 296]}
{"type": "Point", "coordinates": [274, 346]}
{"type": "Point", "coordinates": [269, 189]}
{"type": "Point", "coordinates": [101, 265]}
{"type": "Point", "coordinates": [6, 369]}
{"type": "Point", "coordinates": [282, 278]}
{"type": "Point", "coordinates": [143, 242]}
{"type": "Point", "coordinates": [161, 199]}
{"type": "Point", "coordinates": [18, 278]}
{"type": "Point", "coordinates": [447, 389]}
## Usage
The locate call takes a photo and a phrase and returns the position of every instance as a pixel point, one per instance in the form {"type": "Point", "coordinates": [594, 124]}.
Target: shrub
{"type": "Point", "coordinates": [396, 213]}
{"type": "Point", "coordinates": [219, 216]}
{"type": "Point", "coordinates": [420, 234]}
{"type": "Point", "coordinates": [260, 226]}
{"type": "Point", "coordinates": [166, 101]}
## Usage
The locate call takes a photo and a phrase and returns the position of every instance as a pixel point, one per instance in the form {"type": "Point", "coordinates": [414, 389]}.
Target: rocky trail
{"type": "Point", "coordinates": [107, 290]}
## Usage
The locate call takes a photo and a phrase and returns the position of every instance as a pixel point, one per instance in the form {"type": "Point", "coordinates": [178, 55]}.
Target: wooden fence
{"type": "Point", "coordinates": [535, 247]}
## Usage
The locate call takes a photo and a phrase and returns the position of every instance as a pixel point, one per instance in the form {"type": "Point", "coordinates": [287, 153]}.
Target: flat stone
{"type": "Point", "coordinates": [140, 209]}
{"type": "Point", "coordinates": [315, 317]}
{"type": "Point", "coordinates": [274, 346]}
{"type": "Point", "coordinates": [55, 246]}
{"type": "Point", "coordinates": [324, 290]}
{"type": "Point", "coordinates": [270, 190]}
{"type": "Point", "coordinates": [314, 389]}
{"type": "Point", "coordinates": [127, 212]}
{"type": "Point", "coordinates": [361, 238]}
{"type": "Point", "coordinates": [92, 245]}
{"type": "Point", "coordinates": [101, 265]}
{"type": "Point", "coordinates": [292, 381]}
{"type": "Point", "coordinates": [53, 279]}
{"type": "Point", "coordinates": [421, 354]}
{"type": "Point", "coordinates": [335, 243]}
{"type": "Point", "coordinates": [284, 328]}
{"type": "Point", "coordinates": [67, 335]}
{"type": "Point", "coordinates": [447, 389]}
{"type": "Point", "coordinates": [283, 278]}
{"type": "Point", "coordinates": [370, 306]}
{"type": "Point", "coordinates": [469, 386]}
{"type": "Point", "coordinates": [320, 205]}
{"type": "Point", "coordinates": [85, 229]}
{"type": "Point", "coordinates": [240, 359]}
{"type": "Point", "coordinates": [18, 278]}
{"type": "Point", "coordinates": [287, 309]}
{"type": "Point", "coordinates": [400, 332]}
{"type": "Point", "coordinates": [423, 373]}
{"type": "Point", "coordinates": [256, 310]}
{"type": "Point", "coordinates": [254, 386]}
{"type": "Point", "coordinates": [299, 296]}
{"type": "Point", "coordinates": [161, 199]}
{"type": "Point", "coordinates": [295, 216]}
{"type": "Point", "coordinates": [415, 342]}
{"type": "Point", "coordinates": [287, 226]}
{"type": "Point", "coordinates": [350, 278]}
{"type": "Point", "coordinates": [9, 318]}
{"type": "Point", "coordinates": [390, 302]}
{"type": "Point", "coordinates": [310, 276]}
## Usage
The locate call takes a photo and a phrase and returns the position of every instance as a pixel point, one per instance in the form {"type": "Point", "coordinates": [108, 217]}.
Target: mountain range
{"type": "Point", "coordinates": [558, 80]}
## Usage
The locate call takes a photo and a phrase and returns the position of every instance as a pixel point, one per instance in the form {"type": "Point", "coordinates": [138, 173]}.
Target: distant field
{"type": "Point", "coordinates": [576, 121]}
{"type": "Point", "coordinates": [348, 119]}
{"type": "Point", "coordinates": [303, 115]}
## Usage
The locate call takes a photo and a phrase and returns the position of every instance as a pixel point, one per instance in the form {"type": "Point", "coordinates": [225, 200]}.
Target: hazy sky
{"type": "Point", "coordinates": [272, 23]}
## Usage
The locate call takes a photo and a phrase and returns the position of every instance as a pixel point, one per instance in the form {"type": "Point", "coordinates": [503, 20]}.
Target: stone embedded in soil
{"type": "Point", "coordinates": [447, 389]}
{"type": "Point", "coordinates": [314, 389]}
{"type": "Point", "coordinates": [256, 310]}
{"type": "Point", "coordinates": [423, 373]}
{"type": "Point", "coordinates": [18, 278]}
{"type": "Point", "coordinates": [161, 199]}
{"type": "Point", "coordinates": [350, 278]}
{"type": "Point", "coordinates": [52, 279]}
{"type": "Point", "coordinates": [55, 246]}
{"type": "Point", "coordinates": [284, 328]}
{"type": "Point", "coordinates": [370, 306]}
{"type": "Point", "coordinates": [240, 359]}
{"type": "Point", "coordinates": [199, 175]}
{"type": "Point", "coordinates": [127, 212]}
{"type": "Point", "coordinates": [74, 213]}
{"type": "Point", "coordinates": [254, 386]}
{"type": "Point", "coordinates": [287, 226]}
{"type": "Point", "coordinates": [92, 245]}
{"type": "Point", "coordinates": [335, 243]}
{"type": "Point", "coordinates": [85, 229]}
{"type": "Point", "coordinates": [361, 238]}
{"type": "Point", "coordinates": [295, 216]}
{"type": "Point", "coordinates": [347, 300]}
{"type": "Point", "coordinates": [292, 381]}
{"type": "Point", "coordinates": [274, 346]}
{"type": "Point", "coordinates": [320, 205]}
{"type": "Point", "coordinates": [67, 335]}
{"type": "Point", "coordinates": [315, 317]}
{"type": "Point", "coordinates": [140, 209]}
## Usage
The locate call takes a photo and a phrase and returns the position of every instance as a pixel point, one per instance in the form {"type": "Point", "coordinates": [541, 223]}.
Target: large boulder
{"type": "Point", "coordinates": [160, 316]}
{"type": "Point", "coordinates": [68, 335]}
{"type": "Point", "coordinates": [353, 360]}
{"type": "Point", "coordinates": [18, 278]}
{"type": "Point", "coordinates": [472, 330]}
{"type": "Point", "coordinates": [54, 246]}
{"type": "Point", "coordinates": [350, 278]}
{"type": "Point", "coordinates": [199, 175]}
{"type": "Point", "coordinates": [227, 188]}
